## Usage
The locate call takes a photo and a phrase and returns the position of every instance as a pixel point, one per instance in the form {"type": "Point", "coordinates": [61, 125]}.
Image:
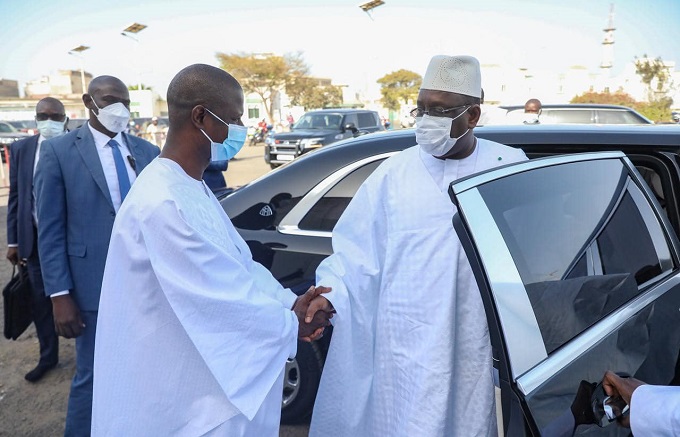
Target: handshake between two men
{"type": "Point", "coordinates": [314, 313]}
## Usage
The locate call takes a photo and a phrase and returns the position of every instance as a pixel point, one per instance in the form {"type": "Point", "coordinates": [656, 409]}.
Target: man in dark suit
{"type": "Point", "coordinates": [81, 181]}
{"type": "Point", "coordinates": [22, 233]}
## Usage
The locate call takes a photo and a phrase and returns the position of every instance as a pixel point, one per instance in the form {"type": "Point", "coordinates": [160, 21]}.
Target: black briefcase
{"type": "Point", "coordinates": [17, 304]}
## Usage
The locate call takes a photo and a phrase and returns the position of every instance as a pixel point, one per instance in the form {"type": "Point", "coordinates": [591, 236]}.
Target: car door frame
{"type": "Point", "coordinates": [510, 376]}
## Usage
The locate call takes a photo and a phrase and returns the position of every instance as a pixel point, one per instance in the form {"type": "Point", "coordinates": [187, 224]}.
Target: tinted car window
{"type": "Point", "coordinates": [580, 241]}
{"type": "Point", "coordinates": [579, 116]}
{"type": "Point", "coordinates": [350, 118]}
{"type": "Point", "coordinates": [366, 119]}
{"type": "Point", "coordinates": [6, 128]}
{"type": "Point", "coordinates": [617, 117]}
{"type": "Point", "coordinates": [325, 213]}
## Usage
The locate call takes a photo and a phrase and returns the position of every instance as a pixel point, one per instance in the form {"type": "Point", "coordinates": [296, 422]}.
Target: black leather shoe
{"type": "Point", "coordinates": [39, 371]}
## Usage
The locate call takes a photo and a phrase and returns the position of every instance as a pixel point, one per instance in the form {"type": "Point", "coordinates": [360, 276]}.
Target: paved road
{"type": "Point", "coordinates": [19, 400]}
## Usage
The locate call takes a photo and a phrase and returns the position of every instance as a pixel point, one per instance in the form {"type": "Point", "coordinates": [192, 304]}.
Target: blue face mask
{"type": "Point", "coordinates": [231, 145]}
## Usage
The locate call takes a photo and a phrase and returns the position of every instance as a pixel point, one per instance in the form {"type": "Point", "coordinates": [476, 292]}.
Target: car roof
{"type": "Point", "coordinates": [572, 106]}
{"type": "Point", "coordinates": [578, 134]}
{"type": "Point", "coordinates": [338, 110]}
{"type": "Point", "coordinates": [667, 136]}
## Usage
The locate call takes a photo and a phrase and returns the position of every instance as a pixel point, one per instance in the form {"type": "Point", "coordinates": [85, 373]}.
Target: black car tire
{"type": "Point", "coordinates": [300, 383]}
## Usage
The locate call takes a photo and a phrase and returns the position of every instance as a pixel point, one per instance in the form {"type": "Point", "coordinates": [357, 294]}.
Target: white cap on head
{"type": "Point", "coordinates": [454, 74]}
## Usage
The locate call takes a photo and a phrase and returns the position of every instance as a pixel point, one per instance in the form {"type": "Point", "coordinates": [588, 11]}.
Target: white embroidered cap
{"type": "Point", "coordinates": [454, 74]}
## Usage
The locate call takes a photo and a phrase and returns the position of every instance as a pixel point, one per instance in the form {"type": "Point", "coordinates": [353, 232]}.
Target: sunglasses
{"type": "Point", "coordinates": [41, 116]}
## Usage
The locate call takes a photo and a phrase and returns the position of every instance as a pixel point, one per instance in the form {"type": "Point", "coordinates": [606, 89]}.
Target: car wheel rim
{"type": "Point", "coordinates": [291, 382]}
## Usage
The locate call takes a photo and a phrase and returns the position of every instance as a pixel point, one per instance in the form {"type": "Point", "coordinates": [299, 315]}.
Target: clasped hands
{"type": "Point", "coordinates": [314, 313]}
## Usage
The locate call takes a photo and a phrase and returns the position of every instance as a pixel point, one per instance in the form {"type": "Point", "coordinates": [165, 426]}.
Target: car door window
{"type": "Point", "coordinates": [584, 239]}
{"type": "Point", "coordinates": [577, 116]}
{"type": "Point", "coordinates": [325, 213]}
{"type": "Point", "coordinates": [366, 120]}
{"type": "Point", "coordinates": [350, 118]}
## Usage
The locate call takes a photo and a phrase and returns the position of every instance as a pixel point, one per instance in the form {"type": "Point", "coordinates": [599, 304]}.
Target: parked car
{"type": "Point", "coordinates": [319, 128]}
{"type": "Point", "coordinates": [26, 126]}
{"type": "Point", "coordinates": [576, 255]}
{"type": "Point", "coordinates": [581, 113]}
{"type": "Point", "coordinates": [8, 135]}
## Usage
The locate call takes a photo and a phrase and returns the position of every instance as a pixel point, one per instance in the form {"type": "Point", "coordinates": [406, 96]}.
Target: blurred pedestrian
{"type": "Point", "coordinates": [155, 133]}
{"type": "Point", "coordinates": [213, 176]}
{"type": "Point", "coordinates": [22, 226]}
{"type": "Point", "coordinates": [654, 409]}
{"type": "Point", "coordinates": [532, 111]}
{"type": "Point", "coordinates": [193, 334]}
{"type": "Point", "coordinates": [81, 180]}
{"type": "Point", "coordinates": [402, 362]}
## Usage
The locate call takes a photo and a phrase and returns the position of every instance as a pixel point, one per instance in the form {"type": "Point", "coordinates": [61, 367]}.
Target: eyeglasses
{"type": "Point", "coordinates": [435, 112]}
{"type": "Point", "coordinates": [41, 116]}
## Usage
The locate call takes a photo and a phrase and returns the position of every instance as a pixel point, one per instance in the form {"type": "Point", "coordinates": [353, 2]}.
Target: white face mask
{"type": "Point", "coordinates": [50, 128]}
{"type": "Point", "coordinates": [114, 117]}
{"type": "Point", "coordinates": [433, 134]}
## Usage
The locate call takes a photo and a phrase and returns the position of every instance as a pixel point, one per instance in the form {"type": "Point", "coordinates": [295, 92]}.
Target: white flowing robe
{"type": "Point", "coordinates": [193, 335]}
{"type": "Point", "coordinates": [655, 411]}
{"type": "Point", "coordinates": [410, 353]}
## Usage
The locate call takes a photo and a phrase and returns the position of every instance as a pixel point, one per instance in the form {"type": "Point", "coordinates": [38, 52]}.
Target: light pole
{"type": "Point", "coordinates": [78, 53]}
{"type": "Point", "coordinates": [131, 31]}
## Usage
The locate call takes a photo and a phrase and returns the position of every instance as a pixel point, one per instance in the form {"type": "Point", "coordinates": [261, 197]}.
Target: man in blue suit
{"type": "Point", "coordinates": [22, 233]}
{"type": "Point", "coordinates": [82, 179]}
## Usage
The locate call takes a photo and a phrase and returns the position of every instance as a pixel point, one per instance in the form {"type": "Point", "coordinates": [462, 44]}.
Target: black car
{"type": "Point", "coordinates": [319, 128]}
{"type": "Point", "coordinates": [576, 255]}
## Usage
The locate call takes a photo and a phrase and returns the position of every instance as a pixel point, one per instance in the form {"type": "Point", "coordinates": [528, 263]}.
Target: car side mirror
{"type": "Point", "coordinates": [351, 127]}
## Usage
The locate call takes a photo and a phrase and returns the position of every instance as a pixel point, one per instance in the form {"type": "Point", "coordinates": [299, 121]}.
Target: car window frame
{"type": "Point", "coordinates": [290, 223]}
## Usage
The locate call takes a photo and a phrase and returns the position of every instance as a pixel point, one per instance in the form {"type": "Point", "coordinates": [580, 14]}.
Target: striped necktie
{"type": "Point", "coordinates": [121, 170]}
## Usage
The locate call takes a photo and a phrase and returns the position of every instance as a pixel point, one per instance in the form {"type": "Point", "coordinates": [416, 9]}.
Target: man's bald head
{"type": "Point", "coordinates": [49, 105]}
{"type": "Point", "coordinates": [532, 106]}
{"type": "Point", "coordinates": [200, 84]}
{"type": "Point", "coordinates": [103, 82]}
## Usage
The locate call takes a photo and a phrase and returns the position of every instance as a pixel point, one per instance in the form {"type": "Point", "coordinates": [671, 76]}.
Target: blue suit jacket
{"type": "Point", "coordinates": [76, 214]}
{"type": "Point", "coordinates": [19, 204]}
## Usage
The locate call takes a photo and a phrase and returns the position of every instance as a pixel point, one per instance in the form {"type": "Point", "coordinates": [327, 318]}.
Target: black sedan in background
{"type": "Point", "coordinates": [576, 255]}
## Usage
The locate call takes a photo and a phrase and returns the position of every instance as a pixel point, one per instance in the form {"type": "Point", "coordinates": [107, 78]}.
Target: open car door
{"type": "Point", "coordinates": [578, 270]}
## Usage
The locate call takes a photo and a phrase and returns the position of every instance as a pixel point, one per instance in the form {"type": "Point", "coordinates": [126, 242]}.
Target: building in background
{"type": "Point", "coordinates": [63, 83]}
{"type": "Point", "coordinates": [9, 88]}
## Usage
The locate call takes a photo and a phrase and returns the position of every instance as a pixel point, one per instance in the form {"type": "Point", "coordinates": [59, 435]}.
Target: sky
{"type": "Point", "coordinates": [335, 37]}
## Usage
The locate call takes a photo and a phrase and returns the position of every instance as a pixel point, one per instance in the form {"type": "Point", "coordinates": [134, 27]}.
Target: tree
{"type": "Point", "coordinates": [656, 77]}
{"type": "Point", "coordinates": [264, 74]}
{"type": "Point", "coordinates": [399, 86]}
{"type": "Point", "coordinates": [136, 87]}
{"type": "Point", "coordinates": [617, 98]}
{"type": "Point", "coordinates": [307, 92]}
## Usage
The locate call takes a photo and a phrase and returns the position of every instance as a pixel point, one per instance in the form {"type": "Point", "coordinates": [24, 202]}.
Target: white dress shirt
{"type": "Point", "coordinates": [108, 164]}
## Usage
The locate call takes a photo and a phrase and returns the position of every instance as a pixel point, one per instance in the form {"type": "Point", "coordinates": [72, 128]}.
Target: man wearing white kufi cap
{"type": "Point", "coordinates": [410, 354]}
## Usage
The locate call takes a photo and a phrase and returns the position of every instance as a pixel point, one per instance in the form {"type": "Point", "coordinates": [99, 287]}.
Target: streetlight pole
{"type": "Point", "coordinates": [131, 31]}
{"type": "Point", "coordinates": [78, 53]}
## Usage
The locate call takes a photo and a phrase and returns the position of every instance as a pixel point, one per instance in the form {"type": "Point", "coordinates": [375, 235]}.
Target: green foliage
{"type": "Point", "coordinates": [135, 87]}
{"type": "Point", "coordinates": [648, 70]}
{"type": "Point", "coordinates": [263, 74]}
{"type": "Point", "coordinates": [309, 93]}
{"type": "Point", "coordinates": [399, 86]}
{"type": "Point", "coordinates": [606, 98]}
{"type": "Point", "coordinates": [656, 76]}
{"type": "Point", "coordinates": [658, 111]}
